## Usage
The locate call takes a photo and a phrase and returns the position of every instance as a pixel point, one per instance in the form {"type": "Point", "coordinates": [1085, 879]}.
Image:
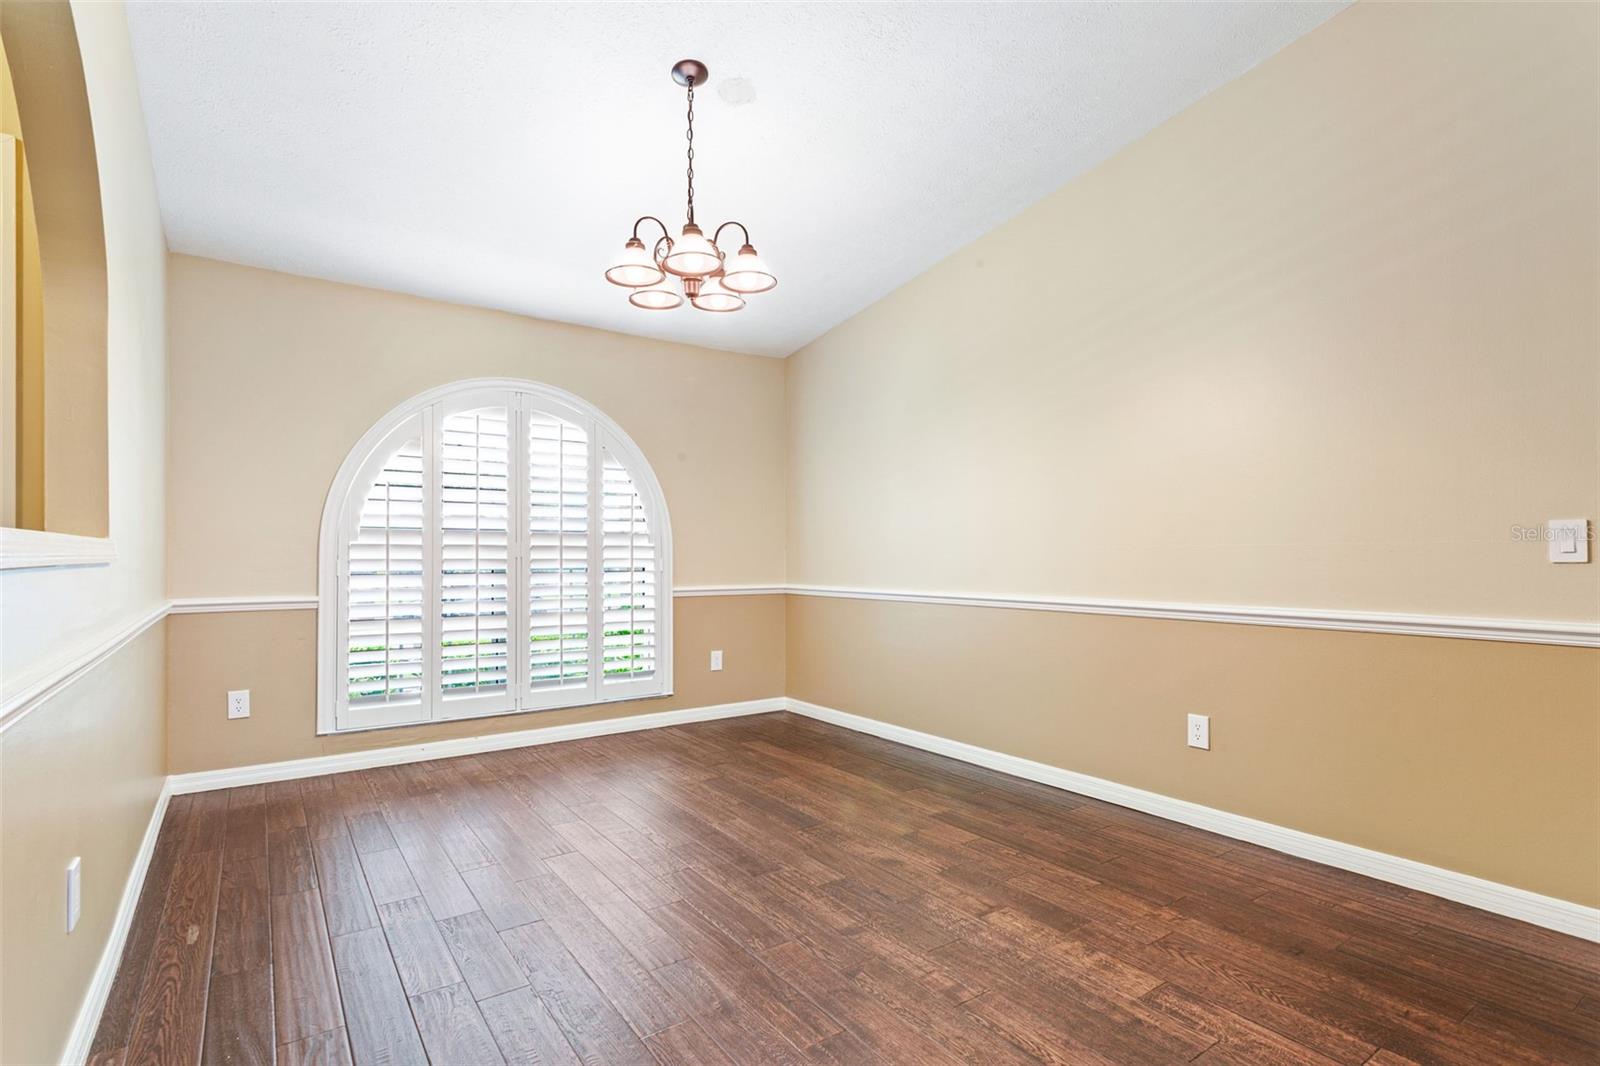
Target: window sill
{"type": "Point", "coordinates": [636, 697]}
{"type": "Point", "coordinates": [32, 549]}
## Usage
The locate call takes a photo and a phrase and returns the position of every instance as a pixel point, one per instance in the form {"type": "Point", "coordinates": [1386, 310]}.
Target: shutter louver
{"type": "Point", "coordinates": [629, 574]}
{"type": "Point", "coordinates": [558, 553]}
{"type": "Point", "coordinates": [474, 553]}
{"type": "Point", "coordinates": [383, 652]}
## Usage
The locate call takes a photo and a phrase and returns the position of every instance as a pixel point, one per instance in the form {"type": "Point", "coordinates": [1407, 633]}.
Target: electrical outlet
{"type": "Point", "coordinates": [74, 892]}
{"type": "Point", "coordinates": [239, 703]}
{"type": "Point", "coordinates": [1200, 731]}
{"type": "Point", "coordinates": [716, 659]}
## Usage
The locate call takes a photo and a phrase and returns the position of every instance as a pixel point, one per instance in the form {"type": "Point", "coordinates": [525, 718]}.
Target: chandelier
{"type": "Point", "coordinates": [710, 280]}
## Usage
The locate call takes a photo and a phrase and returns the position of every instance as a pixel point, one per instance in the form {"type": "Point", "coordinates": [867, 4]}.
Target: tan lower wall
{"type": "Point", "coordinates": [1473, 756]}
{"type": "Point", "coordinates": [79, 776]}
{"type": "Point", "coordinates": [273, 654]}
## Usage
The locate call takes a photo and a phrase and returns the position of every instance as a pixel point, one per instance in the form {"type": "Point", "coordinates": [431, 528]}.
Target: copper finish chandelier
{"type": "Point", "coordinates": [710, 280]}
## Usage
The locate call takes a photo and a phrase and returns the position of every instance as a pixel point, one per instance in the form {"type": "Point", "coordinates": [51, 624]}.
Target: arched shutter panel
{"type": "Point", "coordinates": [385, 592]}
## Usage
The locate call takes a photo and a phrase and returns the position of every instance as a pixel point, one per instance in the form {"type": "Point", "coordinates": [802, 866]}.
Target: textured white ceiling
{"type": "Point", "coordinates": [496, 154]}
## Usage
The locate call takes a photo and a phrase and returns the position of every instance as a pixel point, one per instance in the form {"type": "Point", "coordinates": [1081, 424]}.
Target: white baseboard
{"type": "Point", "coordinates": [105, 971]}
{"type": "Point", "coordinates": [1547, 911]}
{"type": "Point", "coordinates": [232, 777]}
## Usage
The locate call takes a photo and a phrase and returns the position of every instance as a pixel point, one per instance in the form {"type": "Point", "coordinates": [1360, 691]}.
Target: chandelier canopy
{"type": "Point", "coordinates": [708, 278]}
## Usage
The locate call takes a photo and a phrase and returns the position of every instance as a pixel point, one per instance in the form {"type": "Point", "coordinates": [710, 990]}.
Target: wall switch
{"type": "Point", "coordinates": [716, 659]}
{"type": "Point", "coordinates": [1200, 731]}
{"type": "Point", "coordinates": [1568, 539]}
{"type": "Point", "coordinates": [239, 703]}
{"type": "Point", "coordinates": [74, 892]}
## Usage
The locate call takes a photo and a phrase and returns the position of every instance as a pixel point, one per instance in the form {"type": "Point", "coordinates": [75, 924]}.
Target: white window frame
{"type": "Point", "coordinates": [342, 510]}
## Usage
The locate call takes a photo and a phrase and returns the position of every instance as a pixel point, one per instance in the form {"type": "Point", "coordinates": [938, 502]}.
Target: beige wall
{"type": "Point", "coordinates": [1320, 341]}
{"type": "Point", "coordinates": [275, 378]}
{"type": "Point", "coordinates": [1470, 755]}
{"type": "Point", "coordinates": [273, 653]}
{"type": "Point", "coordinates": [80, 773]}
{"type": "Point", "coordinates": [79, 776]}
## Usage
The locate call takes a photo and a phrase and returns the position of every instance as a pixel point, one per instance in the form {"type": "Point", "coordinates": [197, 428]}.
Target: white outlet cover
{"type": "Point", "coordinates": [716, 660]}
{"type": "Point", "coordinates": [239, 703]}
{"type": "Point", "coordinates": [1200, 731]}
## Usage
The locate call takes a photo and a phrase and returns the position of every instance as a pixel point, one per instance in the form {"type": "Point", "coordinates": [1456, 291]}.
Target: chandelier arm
{"type": "Point", "coordinates": [731, 222]}
{"type": "Point", "coordinates": [655, 251]}
{"type": "Point", "coordinates": [649, 218]}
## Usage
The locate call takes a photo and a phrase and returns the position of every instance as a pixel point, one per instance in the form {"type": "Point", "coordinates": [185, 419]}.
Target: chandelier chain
{"type": "Point", "coordinates": [690, 137]}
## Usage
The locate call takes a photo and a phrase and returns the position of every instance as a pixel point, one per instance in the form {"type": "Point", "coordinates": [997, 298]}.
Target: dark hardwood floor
{"type": "Point", "coordinates": [770, 889]}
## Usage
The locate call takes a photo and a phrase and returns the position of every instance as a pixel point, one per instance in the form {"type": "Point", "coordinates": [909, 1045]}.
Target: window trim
{"type": "Point", "coordinates": [348, 482]}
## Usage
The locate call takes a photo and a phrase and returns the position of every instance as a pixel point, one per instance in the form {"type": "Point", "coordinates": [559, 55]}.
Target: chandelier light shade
{"type": "Point", "coordinates": [714, 295]}
{"type": "Point", "coordinates": [747, 273]}
{"type": "Point", "coordinates": [659, 299]}
{"type": "Point", "coordinates": [693, 256]}
{"type": "Point", "coordinates": [635, 267]}
{"type": "Point", "coordinates": [709, 279]}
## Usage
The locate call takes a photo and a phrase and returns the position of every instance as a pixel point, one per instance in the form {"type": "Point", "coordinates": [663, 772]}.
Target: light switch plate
{"type": "Point", "coordinates": [1568, 540]}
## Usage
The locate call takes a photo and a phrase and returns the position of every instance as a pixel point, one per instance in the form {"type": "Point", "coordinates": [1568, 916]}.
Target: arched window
{"type": "Point", "coordinates": [488, 547]}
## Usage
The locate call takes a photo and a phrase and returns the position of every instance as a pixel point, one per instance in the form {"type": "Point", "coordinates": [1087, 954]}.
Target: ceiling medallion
{"type": "Point", "coordinates": [709, 279]}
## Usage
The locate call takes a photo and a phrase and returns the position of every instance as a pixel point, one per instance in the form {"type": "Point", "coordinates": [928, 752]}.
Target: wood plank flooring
{"type": "Point", "coordinates": [771, 889]}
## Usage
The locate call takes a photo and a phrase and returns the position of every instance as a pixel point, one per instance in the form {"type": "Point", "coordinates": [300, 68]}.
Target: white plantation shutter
{"type": "Point", "coordinates": [628, 583]}
{"type": "Point", "coordinates": [383, 649]}
{"type": "Point", "coordinates": [491, 547]}
{"type": "Point", "coordinates": [558, 554]}
{"type": "Point", "coordinates": [474, 558]}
